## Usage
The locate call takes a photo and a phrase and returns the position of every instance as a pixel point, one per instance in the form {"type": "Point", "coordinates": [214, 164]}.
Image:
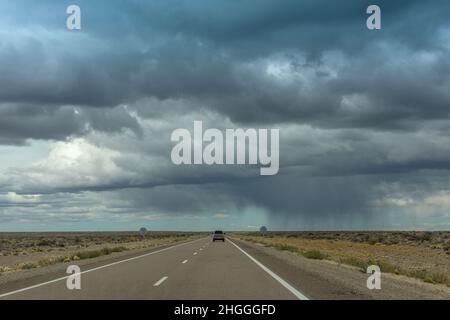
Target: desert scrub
{"type": "Point", "coordinates": [314, 254]}
{"type": "Point", "coordinates": [97, 253]}
{"type": "Point", "coordinates": [430, 277]}
{"type": "Point", "coordinates": [439, 277]}
{"type": "Point", "coordinates": [285, 247]}
{"type": "Point", "coordinates": [381, 252]}
{"type": "Point", "coordinates": [446, 247]}
{"type": "Point", "coordinates": [27, 265]}
{"type": "Point", "coordinates": [79, 256]}
{"type": "Point", "coordinates": [352, 261]}
{"type": "Point", "coordinates": [422, 274]}
{"type": "Point", "coordinates": [363, 264]}
{"type": "Point", "coordinates": [4, 269]}
{"type": "Point", "coordinates": [50, 261]}
{"type": "Point", "coordinates": [386, 267]}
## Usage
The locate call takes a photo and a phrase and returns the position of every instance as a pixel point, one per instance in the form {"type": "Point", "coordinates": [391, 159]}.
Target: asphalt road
{"type": "Point", "coordinates": [200, 269]}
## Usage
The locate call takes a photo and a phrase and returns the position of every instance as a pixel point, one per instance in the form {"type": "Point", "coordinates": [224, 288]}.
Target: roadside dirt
{"type": "Point", "coordinates": [332, 280]}
{"type": "Point", "coordinates": [27, 255]}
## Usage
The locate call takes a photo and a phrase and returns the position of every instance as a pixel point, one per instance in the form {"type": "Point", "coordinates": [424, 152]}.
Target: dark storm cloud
{"type": "Point", "coordinates": [40, 70]}
{"type": "Point", "coordinates": [284, 194]}
{"type": "Point", "coordinates": [357, 109]}
{"type": "Point", "coordinates": [201, 50]}
{"type": "Point", "coordinates": [21, 122]}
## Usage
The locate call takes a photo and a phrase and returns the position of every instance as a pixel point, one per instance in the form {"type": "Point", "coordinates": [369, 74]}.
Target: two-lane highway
{"type": "Point", "coordinates": [199, 269]}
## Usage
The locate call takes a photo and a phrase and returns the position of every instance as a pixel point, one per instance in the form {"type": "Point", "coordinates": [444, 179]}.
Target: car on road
{"type": "Point", "coordinates": [219, 236]}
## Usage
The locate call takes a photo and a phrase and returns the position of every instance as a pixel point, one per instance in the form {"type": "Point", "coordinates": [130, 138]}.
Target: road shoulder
{"type": "Point", "coordinates": [321, 279]}
{"type": "Point", "coordinates": [19, 279]}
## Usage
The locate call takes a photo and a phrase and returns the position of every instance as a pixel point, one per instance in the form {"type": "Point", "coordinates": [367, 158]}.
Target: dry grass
{"type": "Point", "coordinates": [80, 255]}
{"type": "Point", "coordinates": [23, 251]}
{"type": "Point", "coordinates": [314, 254]}
{"type": "Point", "coordinates": [418, 255]}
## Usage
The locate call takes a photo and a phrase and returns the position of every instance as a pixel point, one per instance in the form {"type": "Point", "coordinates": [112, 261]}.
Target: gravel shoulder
{"type": "Point", "coordinates": [9, 279]}
{"type": "Point", "coordinates": [323, 279]}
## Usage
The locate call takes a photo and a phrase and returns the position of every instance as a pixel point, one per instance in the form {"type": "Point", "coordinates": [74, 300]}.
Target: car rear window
{"type": "Point", "coordinates": [218, 232]}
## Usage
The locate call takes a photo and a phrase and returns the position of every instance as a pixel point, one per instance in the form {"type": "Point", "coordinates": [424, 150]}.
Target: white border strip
{"type": "Point", "coordinates": [98, 268]}
{"type": "Point", "coordinates": [294, 291]}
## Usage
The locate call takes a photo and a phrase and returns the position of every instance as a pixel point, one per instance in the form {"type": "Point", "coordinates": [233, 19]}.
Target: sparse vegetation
{"type": "Point", "coordinates": [96, 253]}
{"type": "Point", "coordinates": [314, 254]}
{"type": "Point", "coordinates": [421, 255]}
{"type": "Point", "coordinates": [285, 247]}
{"type": "Point", "coordinates": [28, 265]}
{"type": "Point", "coordinates": [439, 277]}
{"type": "Point", "coordinates": [24, 251]}
{"type": "Point", "coordinates": [417, 238]}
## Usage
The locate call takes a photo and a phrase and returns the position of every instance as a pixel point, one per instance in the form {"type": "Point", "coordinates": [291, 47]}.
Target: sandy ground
{"type": "Point", "coordinates": [416, 259]}
{"type": "Point", "coordinates": [24, 249]}
{"type": "Point", "coordinates": [345, 281]}
{"type": "Point", "coordinates": [318, 279]}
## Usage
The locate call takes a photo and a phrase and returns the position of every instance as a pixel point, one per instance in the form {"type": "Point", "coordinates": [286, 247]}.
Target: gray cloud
{"type": "Point", "coordinates": [20, 122]}
{"type": "Point", "coordinates": [363, 115]}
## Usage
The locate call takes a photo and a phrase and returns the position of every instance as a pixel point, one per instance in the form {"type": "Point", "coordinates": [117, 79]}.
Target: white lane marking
{"type": "Point", "coordinates": [195, 253]}
{"type": "Point", "coordinates": [160, 281]}
{"type": "Point", "coordinates": [201, 249]}
{"type": "Point", "coordinates": [185, 261]}
{"type": "Point", "coordinates": [94, 269]}
{"type": "Point", "coordinates": [294, 291]}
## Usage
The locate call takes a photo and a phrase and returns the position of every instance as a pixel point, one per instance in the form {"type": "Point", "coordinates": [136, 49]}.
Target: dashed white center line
{"type": "Point", "coordinates": [195, 253]}
{"type": "Point", "coordinates": [160, 281]}
{"type": "Point", "coordinates": [201, 249]}
{"type": "Point", "coordinates": [185, 261]}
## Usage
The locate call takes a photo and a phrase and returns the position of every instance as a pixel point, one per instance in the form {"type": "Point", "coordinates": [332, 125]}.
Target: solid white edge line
{"type": "Point", "coordinates": [160, 281]}
{"type": "Point", "coordinates": [94, 269]}
{"type": "Point", "coordinates": [294, 291]}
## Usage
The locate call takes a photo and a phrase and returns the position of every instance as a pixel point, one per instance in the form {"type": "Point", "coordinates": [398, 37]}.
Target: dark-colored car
{"type": "Point", "coordinates": [219, 235]}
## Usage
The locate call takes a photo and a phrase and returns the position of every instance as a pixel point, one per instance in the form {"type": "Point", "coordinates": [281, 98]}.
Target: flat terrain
{"type": "Point", "coordinates": [28, 251]}
{"type": "Point", "coordinates": [202, 269]}
{"type": "Point", "coordinates": [421, 255]}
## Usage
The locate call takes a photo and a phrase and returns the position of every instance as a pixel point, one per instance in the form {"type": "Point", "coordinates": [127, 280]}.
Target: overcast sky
{"type": "Point", "coordinates": [86, 116]}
